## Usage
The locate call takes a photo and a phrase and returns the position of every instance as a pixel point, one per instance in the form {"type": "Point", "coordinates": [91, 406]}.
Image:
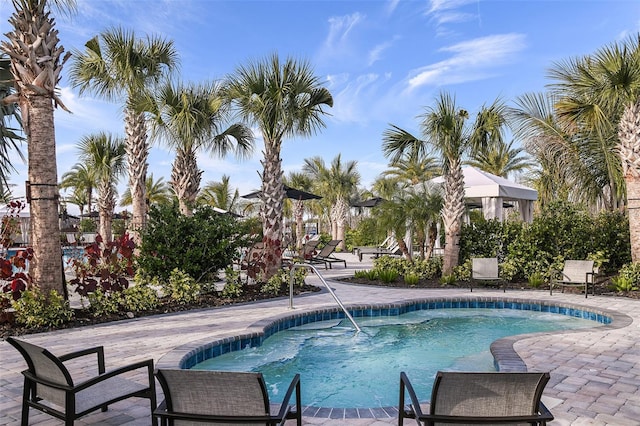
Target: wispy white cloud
{"type": "Point", "coordinates": [470, 60]}
{"type": "Point", "coordinates": [337, 43]}
{"type": "Point", "coordinates": [375, 54]}
{"type": "Point", "coordinates": [446, 12]}
{"type": "Point", "coordinates": [353, 97]}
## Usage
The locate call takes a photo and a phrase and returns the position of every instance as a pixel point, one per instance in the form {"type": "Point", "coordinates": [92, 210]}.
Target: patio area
{"type": "Point", "coordinates": [595, 374]}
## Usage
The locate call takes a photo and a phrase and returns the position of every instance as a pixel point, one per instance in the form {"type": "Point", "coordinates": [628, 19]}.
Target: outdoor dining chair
{"type": "Point", "coordinates": [194, 397]}
{"type": "Point", "coordinates": [50, 388]}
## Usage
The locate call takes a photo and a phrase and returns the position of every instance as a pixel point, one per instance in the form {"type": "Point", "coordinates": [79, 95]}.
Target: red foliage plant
{"type": "Point", "coordinates": [13, 270]}
{"type": "Point", "coordinates": [105, 265]}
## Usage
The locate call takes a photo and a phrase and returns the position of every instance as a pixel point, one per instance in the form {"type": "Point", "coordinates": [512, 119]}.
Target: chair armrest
{"type": "Point", "coordinates": [98, 350]}
{"type": "Point", "coordinates": [148, 364]}
{"type": "Point", "coordinates": [545, 414]}
{"type": "Point", "coordinates": [415, 404]}
{"type": "Point", "coordinates": [295, 385]}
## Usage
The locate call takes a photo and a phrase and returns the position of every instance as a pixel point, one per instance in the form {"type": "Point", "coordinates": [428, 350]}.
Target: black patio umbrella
{"type": "Point", "coordinates": [289, 192]}
{"type": "Point", "coordinates": [371, 202]}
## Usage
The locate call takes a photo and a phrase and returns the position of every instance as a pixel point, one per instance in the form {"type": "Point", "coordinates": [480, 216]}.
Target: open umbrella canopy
{"type": "Point", "coordinates": [292, 193]}
{"type": "Point", "coordinates": [371, 202]}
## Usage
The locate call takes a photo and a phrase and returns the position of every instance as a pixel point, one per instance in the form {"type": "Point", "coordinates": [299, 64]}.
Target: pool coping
{"type": "Point", "coordinates": [505, 356]}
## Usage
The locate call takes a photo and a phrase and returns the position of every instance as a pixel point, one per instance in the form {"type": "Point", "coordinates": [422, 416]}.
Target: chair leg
{"type": "Point", "coordinates": [25, 405]}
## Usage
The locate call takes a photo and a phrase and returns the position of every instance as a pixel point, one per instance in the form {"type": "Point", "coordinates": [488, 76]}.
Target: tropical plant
{"type": "Point", "coordinates": [190, 118]}
{"type": "Point", "coordinates": [500, 158]}
{"type": "Point", "coordinates": [36, 65]}
{"type": "Point", "coordinates": [337, 184]}
{"type": "Point", "coordinates": [445, 129]}
{"type": "Point", "coordinates": [118, 66]}
{"type": "Point", "coordinates": [104, 155]}
{"type": "Point", "coordinates": [220, 195]}
{"type": "Point", "coordinates": [10, 140]}
{"type": "Point", "coordinates": [82, 180]}
{"type": "Point", "coordinates": [37, 308]}
{"type": "Point", "coordinates": [283, 99]}
{"type": "Point", "coordinates": [157, 192]}
{"type": "Point", "coordinates": [599, 95]}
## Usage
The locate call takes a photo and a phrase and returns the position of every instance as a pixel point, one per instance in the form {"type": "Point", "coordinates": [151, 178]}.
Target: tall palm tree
{"type": "Point", "coordinates": [104, 154]}
{"type": "Point", "coordinates": [77, 197]}
{"type": "Point", "coordinates": [337, 184]}
{"type": "Point", "coordinates": [81, 178]}
{"type": "Point", "coordinates": [600, 96]}
{"type": "Point", "coordinates": [120, 67]}
{"type": "Point", "coordinates": [413, 170]}
{"type": "Point", "coordinates": [220, 195]}
{"type": "Point", "coordinates": [37, 59]}
{"type": "Point", "coordinates": [157, 192]}
{"type": "Point", "coordinates": [190, 118]}
{"type": "Point", "coordinates": [500, 159]}
{"type": "Point", "coordinates": [283, 99]}
{"type": "Point", "coordinates": [446, 131]}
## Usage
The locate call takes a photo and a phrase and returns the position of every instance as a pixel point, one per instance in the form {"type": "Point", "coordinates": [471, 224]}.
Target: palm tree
{"type": "Point", "coordinates": [283, 99]}
{"type": "Point", "coordinates": [9, 139]}
{"type": "Point", "coordinates": [77, 197]}
{"type": "Point", "coordinates": [445, 129]}
{"type": "Point", "coordinates": [36, 65]}
{"type": "Point", "coordinates": [302, 182]}
{"type": "Point", "coordinates": [157, 192]}
{"type": "Point", "coordinates": [105, 155]}
{"type": "Point", "coordinates": [412, 169]}
{"type": "Point", "coordinates": [599, 95]}
{"type": "Point", "coordinates": [220, 195]}
{"type": "Point", "coordinates": [189, 118]}
{"type": "Point", "coordinates": [337, 184]}
{"type": "Point", "coordinates": [81, 178]}
{"type": "Point", "coordinates": [118, 66]}
{"type": "Point", "coordinates": [500, 159]}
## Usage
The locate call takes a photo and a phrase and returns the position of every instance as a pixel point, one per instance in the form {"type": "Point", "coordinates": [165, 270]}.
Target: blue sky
{"type": "Point", "coordinates": [383, 62]}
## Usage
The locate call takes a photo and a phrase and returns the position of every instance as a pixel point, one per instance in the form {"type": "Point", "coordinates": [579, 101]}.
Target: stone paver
{"type": "Point", "coordinates": [595, 374]}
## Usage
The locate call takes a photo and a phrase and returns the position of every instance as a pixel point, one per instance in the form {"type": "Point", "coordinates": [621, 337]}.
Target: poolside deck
{"type": "Point", "coordinates": [595, 374]}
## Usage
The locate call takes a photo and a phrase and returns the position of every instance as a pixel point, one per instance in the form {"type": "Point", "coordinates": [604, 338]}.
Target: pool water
{"type": "Point", "coordinates": [343, 369]}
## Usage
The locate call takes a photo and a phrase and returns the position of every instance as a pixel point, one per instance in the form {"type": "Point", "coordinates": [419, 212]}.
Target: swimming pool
{"type": "Point", "coordinates": [360, 356]}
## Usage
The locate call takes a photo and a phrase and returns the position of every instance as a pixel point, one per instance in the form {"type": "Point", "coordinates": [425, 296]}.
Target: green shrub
{"type": "Point", "coordinates": [140, 297]}
{"type": "Point", "coordinates": [36, 309]}
{"type": "Point", "coordinates": [449, 279]}
{"type": "Point", "coordinates": [390, 263]}
{"type": "Point", "coordinates": [463, 272]}
{"type": "Point", "coordinates": [274, 285]}
{"type": "Point", "coordinates": [628, 277]}
{"type": "Point", "coordinates": [181, 287]}
{"type": "Point", "coordinates": [104, 302]}
{"type": "Point", "coordinates": [233, 284]}
{"type": "Point", "coordinates": [200, 245]}
{"type": "Point", "coordinates": [623, 284]}
{"type": "Point", "coordinates": [388, 275]}
{"type": "Point", "coordinates": [370, 274]}
{"type": "Point", "coordinates": [411, 279]}
{"type": "Point", "coordinates": [366, 233]}
{"type": "Point", "coordinates": [536, 280]}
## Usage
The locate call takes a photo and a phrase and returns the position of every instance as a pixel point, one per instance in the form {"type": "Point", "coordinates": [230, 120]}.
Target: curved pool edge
{"type": "Point", "coordinates": [505, 356]}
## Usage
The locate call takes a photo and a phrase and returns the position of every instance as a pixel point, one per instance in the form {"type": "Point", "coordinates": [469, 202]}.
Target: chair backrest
{"type": "Point", "coordinates": [71, 238]}
{"type": "Point", "coordinates": [484, 268]}
{"type": "Point", "coordinates": [44, 365]}
{"type": "Point", "coordinates": [577, 270]}
{"type": "Point", "coordinates": [221, 393]}
{"type": "Point", "coordinates": [487, 394]}
{"type": "Point", "coordinates": [309, 247]}
{"type": "Point", "coordinates": [329, 248]}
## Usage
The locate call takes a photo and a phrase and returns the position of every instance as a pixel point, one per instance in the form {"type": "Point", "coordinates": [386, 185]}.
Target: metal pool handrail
{"type": "Point", "coordinates": [314, 269]}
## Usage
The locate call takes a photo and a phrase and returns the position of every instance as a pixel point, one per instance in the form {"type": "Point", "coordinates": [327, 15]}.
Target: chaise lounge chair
{"type": "Point", "coordinates": [325, 255]}
{"type": "Point", "coordinates": [195, 397]}
{"type": "Point", "coordinates": [479, 398]}
{"type": "Point", "coordinates": [575, 273]}
{"type": "Point", "coordinates": [391, 249]}
{"type": "Point", "coordinates": [486, 269]}
{"type": "Point", "coordinates": [49, 387]}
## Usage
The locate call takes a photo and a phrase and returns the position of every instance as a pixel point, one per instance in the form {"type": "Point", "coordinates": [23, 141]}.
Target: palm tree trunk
{"type": "Point", "coordinates": [633, 206]}
{"type": "Point", "coordinates": [106, 206]}
{"type": "Point", "coordinates": [299, 215]}
{"type": "Point", "coordinates": [629, 137]}
{"type": "Point", "coordinates": [341, 212]}
{"type": "Point", "coordinates": [185, 179]}
{"type": "Point", "coordinates": [137, 155]}
{"type": "Point", "coordinates": [46, 267]}
{"type": "Point", "coordinates": [272, 198]}
{"type": "Point", "coordinates": [452, 214]}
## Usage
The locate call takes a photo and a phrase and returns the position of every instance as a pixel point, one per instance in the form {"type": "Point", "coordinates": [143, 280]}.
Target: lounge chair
{"type": "Point", "coordinates": [575, 273]}
{"type": "Point", "coordinates": [392, 249]}
{"type": "Point", "coordinates": [479, 398]}
{"type": "Point", "coordinates": [49, 387]}
{"type": "Point", "coordinates": [485, 269]}
{"type": "Point", "coordinates": [194, 397]}
{"type": "Point", "coordinates": [325, 255]}
{"type": "Point", "coordinates": [387, 241]}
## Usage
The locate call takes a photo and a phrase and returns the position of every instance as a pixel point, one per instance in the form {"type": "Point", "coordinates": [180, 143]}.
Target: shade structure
{"type": "Point", "coordinates": [494, 193]}
{"type": "Point", "coordinates": [289, 192]}
{"type": "Point", "coordinates": [371, 202]}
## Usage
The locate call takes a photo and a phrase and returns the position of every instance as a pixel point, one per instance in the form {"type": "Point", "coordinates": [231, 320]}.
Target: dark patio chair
{"type": "Point", "coordinates": [479, 398]}
{"type": "Point", "coordinates": [49, 387]}
{"type": "Point", "coordinates": [194, 397]}
{"type": "Point", "coordinates": [325, 255]}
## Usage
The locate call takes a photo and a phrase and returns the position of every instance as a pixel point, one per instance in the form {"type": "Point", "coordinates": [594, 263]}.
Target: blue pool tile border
{"type": "Point", "coordinates": [505, 357]}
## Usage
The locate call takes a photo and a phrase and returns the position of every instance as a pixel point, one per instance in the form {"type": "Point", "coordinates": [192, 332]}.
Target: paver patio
{"type": "Point", "coordinates": [595, 373]}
